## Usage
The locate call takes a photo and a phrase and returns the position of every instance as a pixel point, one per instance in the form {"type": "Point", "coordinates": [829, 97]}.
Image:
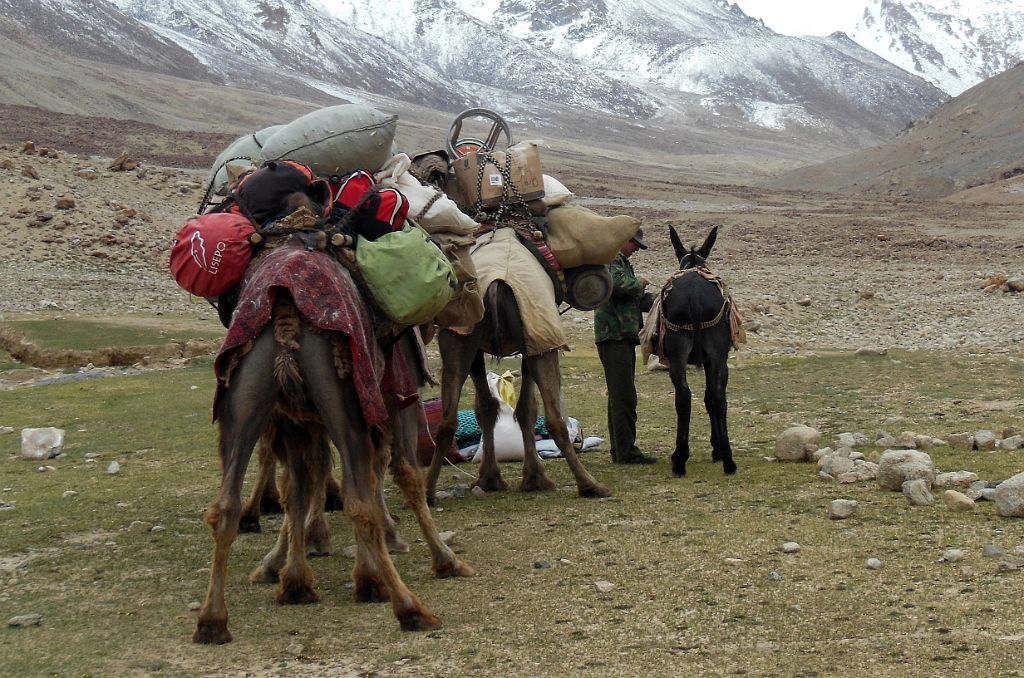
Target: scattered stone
{"type": "Point", "coordinates": [7, 164]}
{"type": "Point", "coordinates": [862, 470]}
{"type": "Point", "coordinates": [350, 551]}
{"type": "Point", "coordinates": [850, 440]}
{"type": "Point", "coordinates": [4, 506]}
{"type": "Point", "coordinates": [1009, 497]}
{"type": "Point", "coordinates": [917, 492]}
{"type": "Point", "coordinates": [604, 586]}
{"type": "Point", "coordinates": [976, 490]}
{"type": "Point", "coordinates": [841, 509]}
{"type": "Point", "coordinates": [907, 440]}
{"type": "Point", "coordinates": [30, 172]}
{"type": "Point", "coordinates": [960, 441]}
{"type": "Point", "coordinates": [25, 620]}
{"type": "Point", "coordinates": [140, 526]}
{"type": "Point", "coordinates": [895, 467]}
{"type": "Point", "coordinates": [1011, 443]}
{"type": "Point", "coordinates": [195, 606]}
{"type": "Point", "coordinates": [873, 564]}
{"type": "Point", "coordinates": [4, 430]}
{"type": "Point", "coordinates": [993, 551]}
{"type": "Point", "coordinates": [804, 301]}
{"type": "Point", "coordinates": [478, 491]}
{"type": "Point", "coordinates": [955, 480]}
{"type": "Point", "coordinates": [823, 452]}
{"type": "Point", "coordinates": [65, 203]}
{"type": "Point", "coordinates": [113, 468]}
{"type": "Point", "coordinates": [541, 564]}
{"type": "Point", "coordinates": [985, 440]}
{"type": "Point", "coordinates": [41, 443]}
{"type": "Point", "coordinates": [791, 547]}
{"type": "Point", "coordinates": [836, 464]}
{"type": "Point", "coordinates": [158, 528]}
{"type": "Point", "coordinates": [29, 148]}
{"type": "Point", "coordinates": [1009, 566]}
{"type": "Point", "coordinates": [988, 494]}
{"type": "Point", "coordinates": [957, 501]}
{"type": "Point", "coordinates": [953, 556]}
{"type": "Point", "coordinates": [871, 350]}
{"type": "Point", "coordinates": [774, 576]}
{"type": "Point", "coordinates": [122, 163]}
{"type": "Point", "coordinates": [447, 537]}
{"type": "Point", "coordinates": [797, 443]}
{"type": "Point", "coordinates": [69, 493]}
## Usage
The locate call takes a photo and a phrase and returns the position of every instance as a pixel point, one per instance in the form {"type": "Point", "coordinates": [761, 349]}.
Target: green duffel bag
{"type": "Point", "coordinates": [409, 276]}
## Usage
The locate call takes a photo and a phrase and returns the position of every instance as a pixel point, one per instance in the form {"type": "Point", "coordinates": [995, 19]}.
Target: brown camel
{"type": "Point", "coordinates": [501, 333]}
{"type": "Point", "coordinates": [291, 374]}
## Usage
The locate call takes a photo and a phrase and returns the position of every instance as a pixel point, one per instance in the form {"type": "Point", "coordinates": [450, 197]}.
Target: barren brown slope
{"type": "Point", "coordinates": [975, 139]}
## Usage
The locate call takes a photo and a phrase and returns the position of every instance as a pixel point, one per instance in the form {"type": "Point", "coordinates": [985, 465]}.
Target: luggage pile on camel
{"type": "Point", "coordinates": [334, 179]}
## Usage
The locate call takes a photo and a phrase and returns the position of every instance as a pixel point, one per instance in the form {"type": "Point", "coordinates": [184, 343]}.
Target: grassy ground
{"type": "Point", "coordinates": [690, 558]}
{"type": "Point", "coordinates": [93, 333]}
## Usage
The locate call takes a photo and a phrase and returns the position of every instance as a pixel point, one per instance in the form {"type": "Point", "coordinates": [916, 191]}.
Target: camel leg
{"type": "Point", "coordinates": [489, 476]}
{"type": "Point", "coordinates": [264, 497]}
{"type": "Point", "coordinates": [405, 471]}
{"type": "Point", "coordinates": [244, 412]}
{"type": "Point", "coordinates": [716, 374]}
{"type": "Point", "coordinates": [534, 478]}
{"type": "Point", "coordinates": [677, 371]}
{"type": "Point", "coordinates": [545, 371]}
{"type": "Point", "coordinates": [456, 362]}
{"type": "Point", "coordinates": [361, 457]}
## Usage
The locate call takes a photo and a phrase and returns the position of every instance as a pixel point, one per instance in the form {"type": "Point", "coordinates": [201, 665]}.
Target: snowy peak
{"type": "Point", "coordinates": [946, 42]}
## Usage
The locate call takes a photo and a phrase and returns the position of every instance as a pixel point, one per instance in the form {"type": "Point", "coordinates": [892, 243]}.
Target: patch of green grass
{"type": "Point", "coordinates": [115, 599]}
{"type": "Point", "coordinates": [90, 334]}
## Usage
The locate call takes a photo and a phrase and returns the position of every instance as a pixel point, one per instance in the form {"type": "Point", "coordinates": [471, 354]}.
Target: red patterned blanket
{"type": "Point", "coordinates": [327, 298]}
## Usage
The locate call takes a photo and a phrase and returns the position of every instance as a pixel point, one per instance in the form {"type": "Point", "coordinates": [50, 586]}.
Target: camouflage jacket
{"type": "Point", "coordinates": [619, 318]}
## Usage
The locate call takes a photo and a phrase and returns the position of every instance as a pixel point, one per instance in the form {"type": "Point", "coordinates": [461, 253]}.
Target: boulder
{"type": "Point", "coordinates": [41, 443]}
{"type": "Point", "coordinates": [918, 493]}
{"type": "Point", "coordinates": [957, 501]}
{"type": "Point", "coordinates": [1009, 497]}
{"type": "Point", "coordinates": [985, 440]}
{"type": "Point", "coordinates": [1011, 443]}
{"type": "Point", "coordinates": [960, 441]}
{"type": "Point", "coordinates": [895, 467]}
{"type": "Point", "coordinates": [955, 480]}
{"type": "Point", "coordinates": [841, 509]}
{"type": "Point", "coordinates": [797, 443]}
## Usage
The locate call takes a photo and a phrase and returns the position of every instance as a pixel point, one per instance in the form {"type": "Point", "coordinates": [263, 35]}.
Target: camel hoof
{"type": "Point", "coordinates": [264, 575]}
{"type": "Point", "coordinates": [270, 506]}
{"type": "Point", "coordinates": [297, 595]}
{"type": "Point", "coordinates": [332, 503]}
{"type": "Point", "coordinates": [319, 550]}
{"type": "Point", "coordinates": [420, 620]}
{"type": "Point", "coordinates": [249, 524]}
{"type": "Point", "coordinates": [454, 568]}
{"type": "Point", "coordinates": [595, 491]}
{"type": "Point", "coordinates": [490, 484]}
{"type": "Point", "coordinates": [370, 592]}
{"type": "Point", "coordinates": [538, 483]}
{"type": "Point", "coordinates": [212, 633]}
{"type": "Point", "coordinates": [397, 545]}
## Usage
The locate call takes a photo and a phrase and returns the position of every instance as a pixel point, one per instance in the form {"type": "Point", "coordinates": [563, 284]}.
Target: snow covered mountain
{"type": "Point", "coordinates": [950, 43]}
{"type": "Point", "coordinates": [699, 61]}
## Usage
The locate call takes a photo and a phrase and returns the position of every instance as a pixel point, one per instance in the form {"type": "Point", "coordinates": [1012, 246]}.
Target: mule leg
{"type": "Point", "coordinates": [716, 374]}
{"type": "Point", "coordinates": [457, 355]}
{"type": "Point", "coordinates": [244, 412]}
{"type": "Point", "coordinates": [534, 478]}
{"type": "Point", "coordinates": [405, 471]}
{"type": "Point", "coordinates": [677, 371]}
{"type": "Point", "coordinates": [545, 372]}
{"type": "Point", "coordinates": [338, 405]}
{"type": "Point", "coordinates": [489, 476]}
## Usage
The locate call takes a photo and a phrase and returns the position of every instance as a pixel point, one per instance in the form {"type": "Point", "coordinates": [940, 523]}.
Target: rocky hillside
{"type": "Point", "coordinates": [975, 139]}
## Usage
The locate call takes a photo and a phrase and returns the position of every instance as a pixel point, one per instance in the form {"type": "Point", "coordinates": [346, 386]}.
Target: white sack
{"type": "Point", "coordinates": [555, 193]}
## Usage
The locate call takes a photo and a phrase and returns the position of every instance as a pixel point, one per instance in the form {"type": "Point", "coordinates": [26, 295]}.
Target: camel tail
{"type": "Point", "coordinates": [287, 326]}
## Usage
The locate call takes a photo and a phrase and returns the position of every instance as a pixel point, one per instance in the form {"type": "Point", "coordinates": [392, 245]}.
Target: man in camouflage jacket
{"type": "Point", "coordinates": [617, 328]}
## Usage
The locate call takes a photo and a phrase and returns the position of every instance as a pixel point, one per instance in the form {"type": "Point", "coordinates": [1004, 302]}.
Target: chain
{"type": "Point", "coordinates": [507, 204]}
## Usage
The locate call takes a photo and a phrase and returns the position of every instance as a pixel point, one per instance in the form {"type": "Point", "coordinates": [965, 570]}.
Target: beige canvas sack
{"type": "Point", "coordinates": [579, 236]}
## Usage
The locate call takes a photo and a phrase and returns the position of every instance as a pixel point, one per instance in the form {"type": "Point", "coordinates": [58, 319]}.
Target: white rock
{"type": "Point", "coordinates": [797, 443]}
{"type": "Point", "coordinates": [1011, 443]}
{"type": "Point", "coordinates": [113, 468]}
{"type": "Point", "coordinates": [985, 440]}
{"type": "Point", "coordinates": [835, 465]}
{"type": "Point", "coordinates": [350, 551]}
{"type": "Point", "coordinates": [907, 440]}
{"type": "Point", "coordinates": [447, 537]}
{"type": "Point", "coordinates": [4, 430]}
{"type": "Point", "coordinates": [953, 555]}
{"type": "Point", "coordinates": [841, 509]}
{"type": "Point", "coordinates": [895, 467]}
{"type": "Point", "coordinates": [1009, 497]}
{"type": "Point", "coordinates": [873, 564]}
{"type": "Point", "coordinates": [604, 586]}
{"type": "Point", "coordinates": [955, 480]}
{"type": "Point", "coordinates": [871, 350]}
{"type": "Point", "coordinates": [917, 492]}
{"type": "Point", "coordinates": [791, 547]}
{"type": "Point", "coordinates": [41, 443]}
{"type": "Point", "coordinates": [823, 452]}
{"type": "Point", "coordinates": [70, 493]}
{"type": "Point", "coordinates": [850, 440]}
{"type": "Point", "coordinates": [862, 470]}
{"type": "Point", "coordinates": [957, 501]}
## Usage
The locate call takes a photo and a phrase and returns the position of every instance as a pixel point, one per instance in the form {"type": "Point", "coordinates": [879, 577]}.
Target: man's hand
{"type": "Point", "coordinates": [644, 281]}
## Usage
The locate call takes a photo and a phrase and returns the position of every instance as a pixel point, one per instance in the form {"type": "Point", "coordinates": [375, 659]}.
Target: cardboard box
{"type": "Point", "coordinates": [522, 163]}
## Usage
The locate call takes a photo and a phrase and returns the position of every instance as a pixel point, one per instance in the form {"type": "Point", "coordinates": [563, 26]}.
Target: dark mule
{"type": "Point", "coordinates": [292, 373]}
{"type": "Point", "coordinates": [501, 333]}
{"type": "Point", "coordinates": [696, 316]}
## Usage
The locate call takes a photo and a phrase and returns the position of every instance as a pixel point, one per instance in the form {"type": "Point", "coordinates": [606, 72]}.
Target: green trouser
{"type": "Point", "coordinates": [618, 358]}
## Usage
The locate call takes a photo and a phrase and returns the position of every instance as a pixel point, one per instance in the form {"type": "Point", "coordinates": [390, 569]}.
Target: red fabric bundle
{"type": "Point", "coordinates": [431, 415]}
{"type": "Point", "coordinates": [383, 210]}
{"type": "Point", "coordinates": [211, 252]}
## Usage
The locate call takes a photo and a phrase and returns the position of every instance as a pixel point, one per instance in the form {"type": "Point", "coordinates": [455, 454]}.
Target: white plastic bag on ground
{"type": "Point", "coordinates": [508, 439]}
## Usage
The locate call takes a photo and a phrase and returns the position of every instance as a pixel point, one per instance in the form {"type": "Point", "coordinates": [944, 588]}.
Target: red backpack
{"type": "Point", "coordinates": [378, 210]}
{"type": "Point", "coordinates": [211, 252]}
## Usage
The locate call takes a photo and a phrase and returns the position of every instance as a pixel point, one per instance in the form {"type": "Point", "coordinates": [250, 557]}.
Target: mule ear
{"type": "Point", "coordinates": [677, 244]}
{"type": "Point", "coordinates": [709, 242]}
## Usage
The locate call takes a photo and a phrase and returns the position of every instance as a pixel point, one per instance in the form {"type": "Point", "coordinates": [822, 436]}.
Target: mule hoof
{"type": "Point", "coordinates": [212, 633]}
{"type": "Point", "coordinates": [730, 468]}
{"type": "Point", "coordinates": [249, 524]}
{"type": "Point", "coordinates": [297, 595]}
{"type": "Point", "coordinates": [679, 471]}
{"type": "Point", "coordinates": [538, 483]}
{"type": "Point", "coordinates": [370, 592]}
{"type": "Point", "coordinates": [595, 491]}
{"type": "Point", "coordinates": [454, 568]}
{"type": "Point", "coordinates": [263, 575]}
{"type": "Point", "coordinates": [420, 620]}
